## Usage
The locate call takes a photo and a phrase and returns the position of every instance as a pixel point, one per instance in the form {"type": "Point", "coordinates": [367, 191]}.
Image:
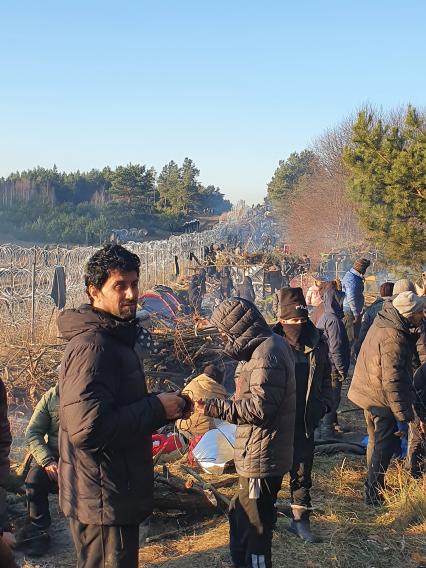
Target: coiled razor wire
{"type": "Point", "coordinates": [20, 290]}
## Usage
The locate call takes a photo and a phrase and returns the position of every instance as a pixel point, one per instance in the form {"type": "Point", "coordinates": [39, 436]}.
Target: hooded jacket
{"type": "Point", "coordinates": [44, 421]}
{"type": "Point", "coordinates": [202, 387]}
{"type": "Point", "coordinates": [319, 394]}
{"type": "Point", "coordinates": [245, 290]}
{"type": "Point", "coordinates": [335, 334]}
{"type": "Point", "coordinates": [106, 421]}
{"type": "Point", "coordinates": [265, 401]}
{"type": "Point", "coordinates": [353, 287]}
{"type": "Point", "coordinates": [382, 380]}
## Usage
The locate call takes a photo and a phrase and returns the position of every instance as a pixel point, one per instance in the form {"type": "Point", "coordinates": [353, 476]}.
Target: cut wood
{"type": "Point", "coordinates": [205, 485]}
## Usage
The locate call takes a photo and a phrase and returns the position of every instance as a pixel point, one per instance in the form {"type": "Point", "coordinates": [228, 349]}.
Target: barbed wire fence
{"type": "Point", "coordinates": [26, 274]}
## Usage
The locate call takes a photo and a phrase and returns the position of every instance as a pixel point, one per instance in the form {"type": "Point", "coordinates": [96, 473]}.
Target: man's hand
{"type": "Point", "coordinates": [52, 471]}
{"type": "Point", "coordinates": [422, 427]}
{"type": "Point", "coordinates": [173, 404]}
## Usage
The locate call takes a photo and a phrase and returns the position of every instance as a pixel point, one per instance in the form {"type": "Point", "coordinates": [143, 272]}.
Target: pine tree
{"type": "Point", "coordinates": [387, 181]}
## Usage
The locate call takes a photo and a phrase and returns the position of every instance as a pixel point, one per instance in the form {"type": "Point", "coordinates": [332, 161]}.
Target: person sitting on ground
{"type": "Point", "coordinates": [386, 292]}
{"type": "Point", "coordinates": [313, 297]}
{"type": "Point", "coordinates": [245, 290]}
{"type": "Point", "coordinates": [382, 384]}
{"type": "Point", "coordinates": [416, 455]}
{"type": "Point", "coordinates": [42, 477]}
{"type": "Point", "coordinates": [205, 386]}
{"type": "Point", "coordinates": [339, 353]}
{"type": "Point", "coordinates": [7, 540]}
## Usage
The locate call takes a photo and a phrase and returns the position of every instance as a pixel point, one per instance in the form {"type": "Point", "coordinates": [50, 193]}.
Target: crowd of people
{"type": "Point", "coordinates": [91, 434]}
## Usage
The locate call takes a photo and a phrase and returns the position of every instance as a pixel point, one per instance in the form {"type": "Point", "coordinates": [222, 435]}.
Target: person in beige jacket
{"type": "Point", "coordinates": [204, 387]}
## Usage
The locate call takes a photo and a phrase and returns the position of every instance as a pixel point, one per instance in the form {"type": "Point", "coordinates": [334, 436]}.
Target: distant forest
{"type": "Point", "coordinates": [84, 207]}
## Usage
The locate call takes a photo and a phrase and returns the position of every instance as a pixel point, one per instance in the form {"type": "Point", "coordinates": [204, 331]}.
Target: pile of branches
{"type": "Point", "coordinates": [29, 370]}
{"type": "Point", "coordinates": [184, 351]}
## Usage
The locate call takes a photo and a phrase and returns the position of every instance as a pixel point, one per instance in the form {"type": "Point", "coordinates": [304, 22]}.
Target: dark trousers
{"type": "Point", "coordinates": [300, 474]}
{"type": "Point", "coordinates": [336, 384]}
{"type": "Point", "coordinates": [38, 486]}
{"type": "Point", "coordinates": [416, 455]}
{"type": "Point", "coordinates": [352, 327]}
{"type": "Point", "coordinates": [251, 523]}
{"type": "Point", "coordinates": [382, 444]}
{"type": "Point", "coordinates": [102, 546]}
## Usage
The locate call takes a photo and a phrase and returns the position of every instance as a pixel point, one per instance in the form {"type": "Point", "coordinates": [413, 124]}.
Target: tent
{"type": "Point", "coordinates": [158, 308]}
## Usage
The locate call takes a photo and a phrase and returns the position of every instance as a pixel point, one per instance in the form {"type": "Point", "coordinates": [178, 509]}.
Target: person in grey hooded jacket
{"type": "Point", "coordinates": [264, 410]}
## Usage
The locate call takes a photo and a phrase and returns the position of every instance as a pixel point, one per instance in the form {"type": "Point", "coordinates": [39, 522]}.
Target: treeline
{"type": "Point", "coordinates": [83, 207]}
{"type": "Point", "coordinates": [362, 181]}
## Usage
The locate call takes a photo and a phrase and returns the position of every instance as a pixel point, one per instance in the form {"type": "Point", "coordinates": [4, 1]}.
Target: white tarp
{"type": "Point", "coordinates": [216, 448]}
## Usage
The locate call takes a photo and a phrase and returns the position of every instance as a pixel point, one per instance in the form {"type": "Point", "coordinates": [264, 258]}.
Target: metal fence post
{"type": "Point", "coordinates": [33, 292]}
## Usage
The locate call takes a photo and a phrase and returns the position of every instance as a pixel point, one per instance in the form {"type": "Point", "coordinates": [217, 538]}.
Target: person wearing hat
{"type": "Point", "coordinates": [406, 285]}
{"type": "Point", "coordinates": [382, 384]}
{"type": "Point", "coordinates": [353, 287]}
{"type": "Point", "coordinates": [314, 397]}
{"type": "Point", "coordinates": [205, 386]}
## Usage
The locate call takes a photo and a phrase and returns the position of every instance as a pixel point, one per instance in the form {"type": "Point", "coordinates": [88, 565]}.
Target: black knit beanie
{"type": "Point", "coordinates": [291, 304]}
{"type": "Point", "coordinates": [361, 265]}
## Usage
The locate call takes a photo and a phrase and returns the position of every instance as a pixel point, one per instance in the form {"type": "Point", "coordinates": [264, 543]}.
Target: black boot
{"type": "Point", "coordinates": [302, 529]}
{"type": "Point", "coordinates": [33, 540]}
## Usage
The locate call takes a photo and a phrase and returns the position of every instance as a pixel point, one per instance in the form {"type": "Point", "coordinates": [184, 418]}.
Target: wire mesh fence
{"type": "Point", "coordinates": [26, 274]}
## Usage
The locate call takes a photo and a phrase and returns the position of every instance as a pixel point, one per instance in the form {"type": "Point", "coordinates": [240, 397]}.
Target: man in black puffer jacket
{"type": "Point", "coordinates": [264, 410]}
{"type": "Point", "coordinates": [107, 416]}
{"type": "Point", "coordinates": [314, 398]}
{"type": "Point", "coordinates": [339, 353]}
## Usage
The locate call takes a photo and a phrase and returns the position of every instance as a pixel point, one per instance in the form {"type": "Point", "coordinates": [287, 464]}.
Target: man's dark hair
{"type": "Point", "coordinates": [110, 257]}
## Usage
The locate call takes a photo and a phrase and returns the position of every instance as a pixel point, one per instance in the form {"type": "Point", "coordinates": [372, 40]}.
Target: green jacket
{"type": "Point", "coordinates": [44, 421]}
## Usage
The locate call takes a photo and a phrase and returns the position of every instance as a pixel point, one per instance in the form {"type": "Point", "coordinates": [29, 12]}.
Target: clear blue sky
{"type": "Point", "coordinates": [235, 85]}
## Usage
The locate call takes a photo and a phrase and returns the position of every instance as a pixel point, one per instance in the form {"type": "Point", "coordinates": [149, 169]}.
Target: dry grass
{"type": "Point", "coordinates": [353, 534]}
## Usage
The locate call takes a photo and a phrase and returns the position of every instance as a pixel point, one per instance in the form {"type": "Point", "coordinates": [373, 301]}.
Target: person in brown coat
{"type": "Point", "coordinates": [382, 383]}
{"type": "Point", "coordinates": [204, 387]}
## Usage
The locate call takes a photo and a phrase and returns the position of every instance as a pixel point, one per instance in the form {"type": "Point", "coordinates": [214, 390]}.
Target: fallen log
{"type": "Point", "coordinates": [175, 532]}
{"type": "Point", "coordinates": [205, 485]}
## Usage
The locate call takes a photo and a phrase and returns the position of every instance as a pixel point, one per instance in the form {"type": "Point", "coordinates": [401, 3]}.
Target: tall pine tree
{"type": "Point", "coordinates": [387, 181]}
